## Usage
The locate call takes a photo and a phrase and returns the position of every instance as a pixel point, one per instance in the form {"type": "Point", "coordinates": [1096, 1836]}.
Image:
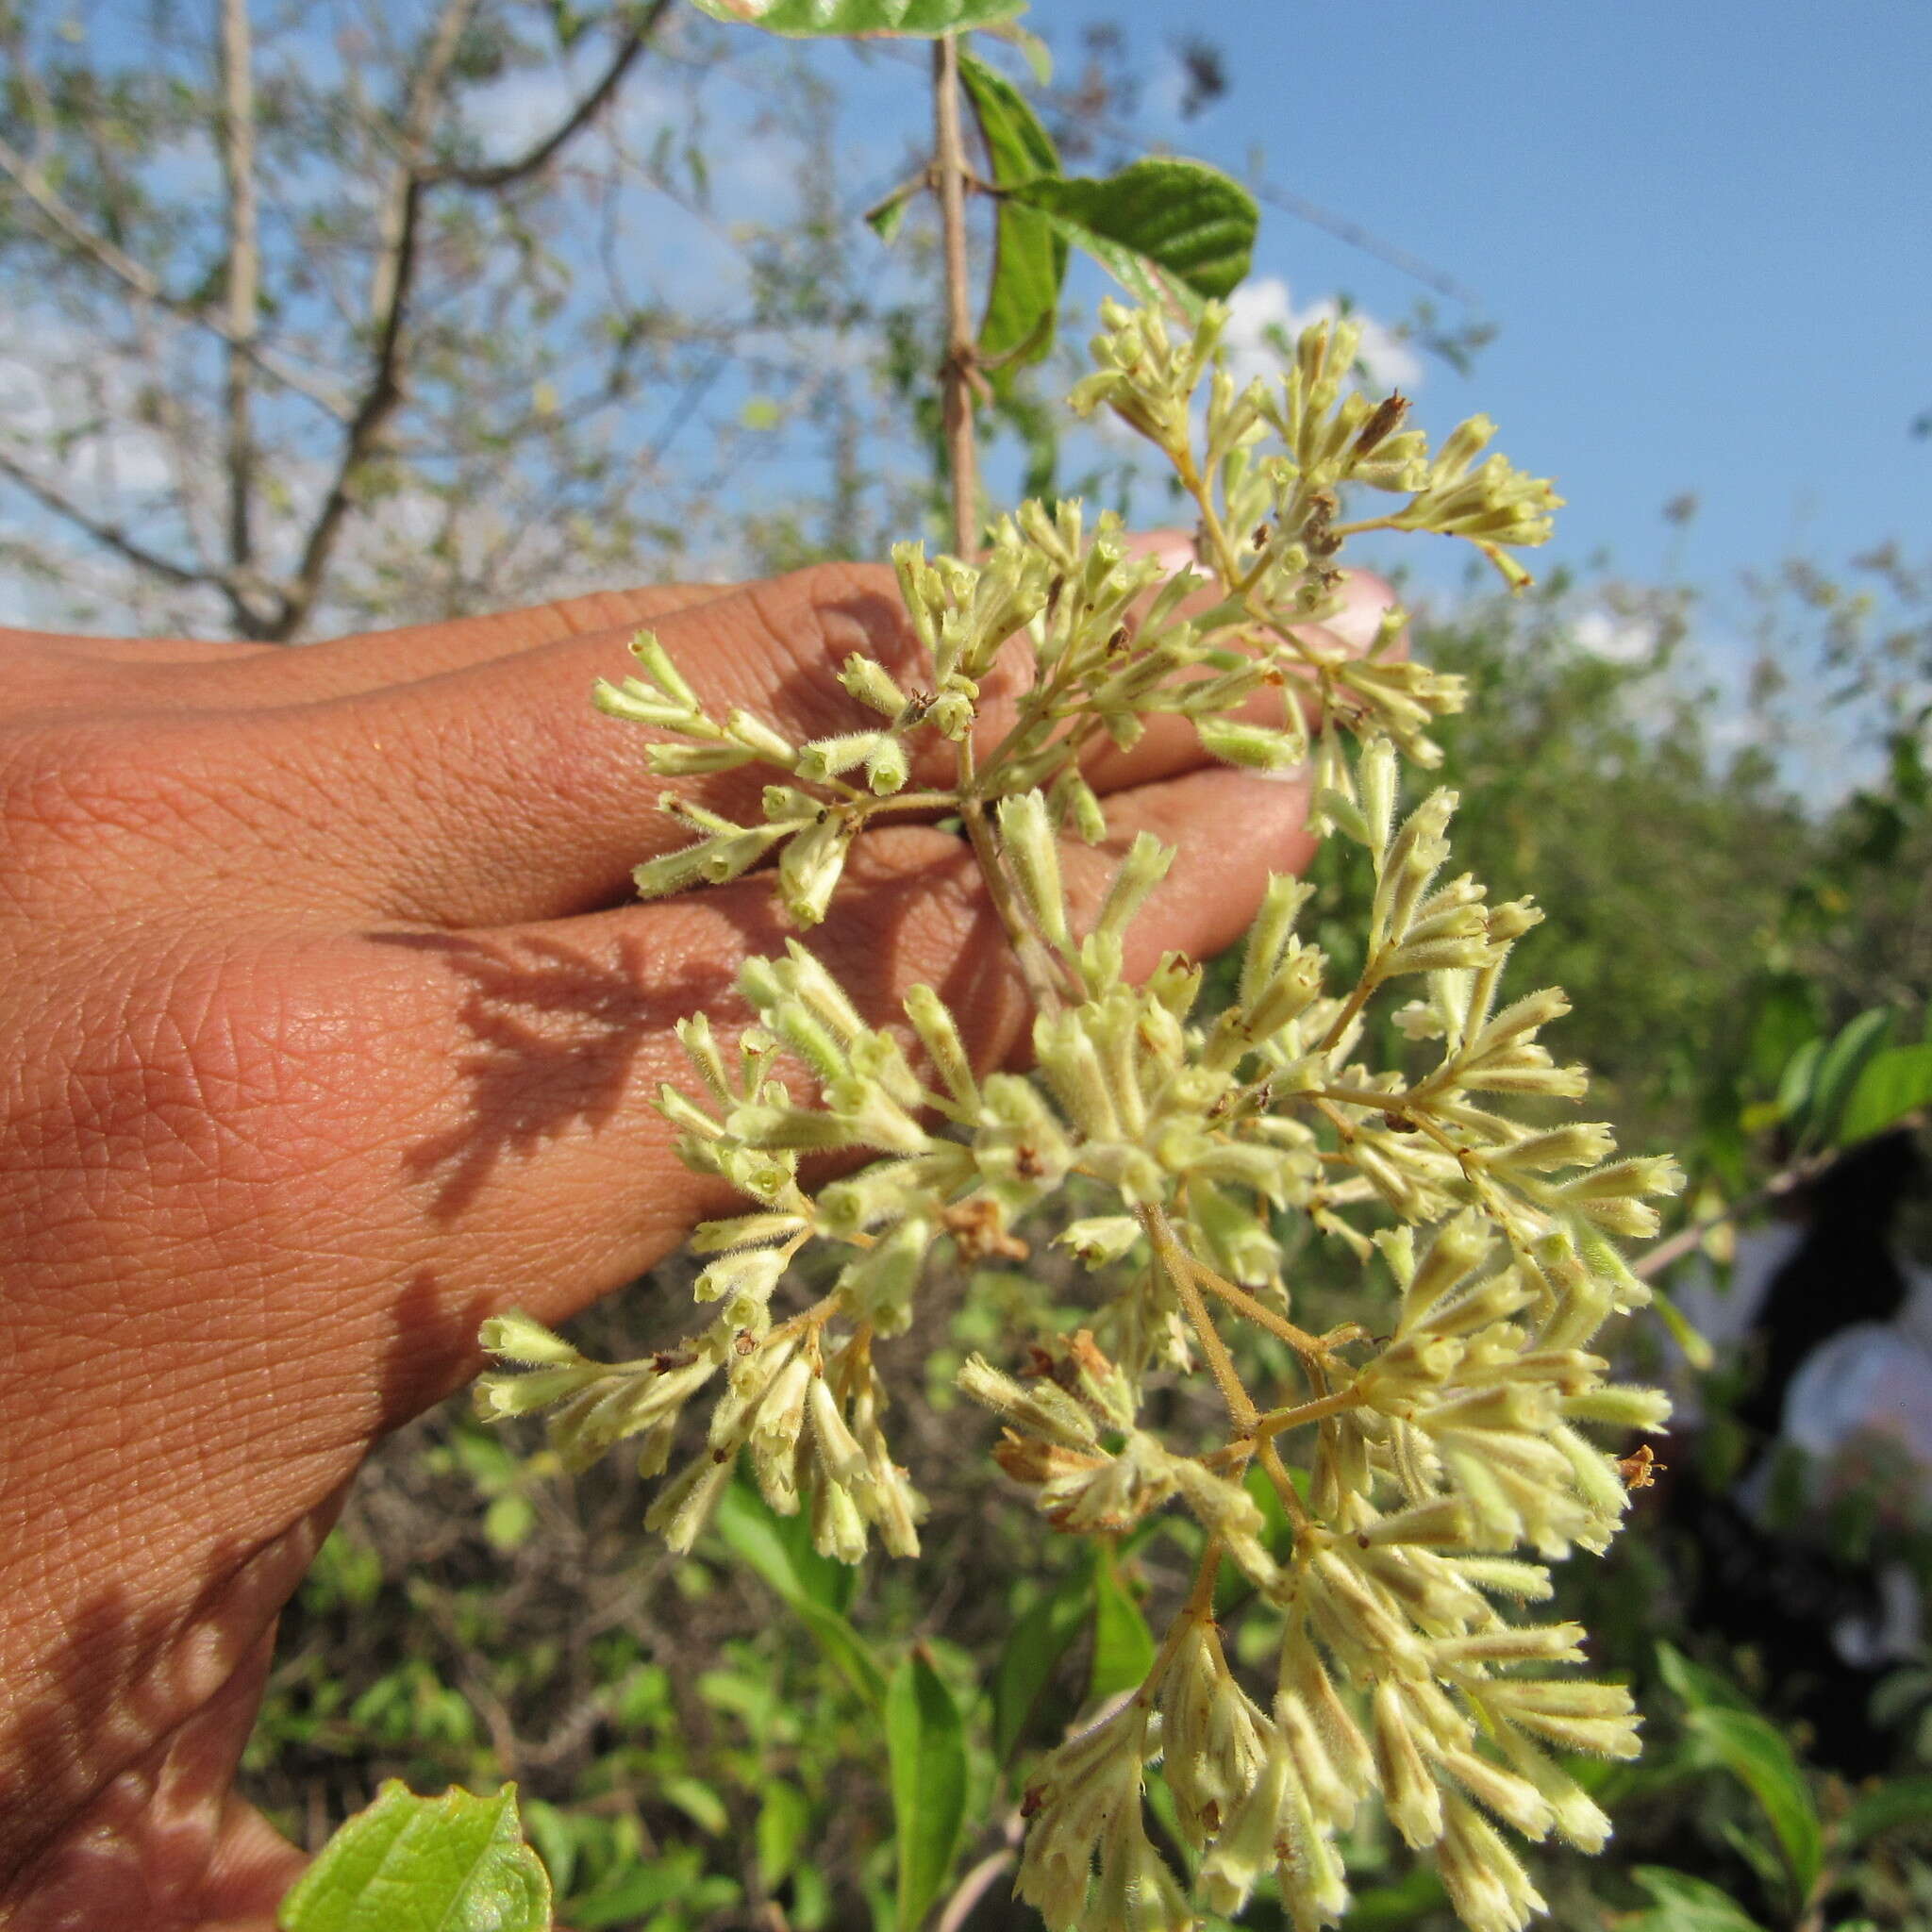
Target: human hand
{"type": "Point", "coordinates": [330, 1030]}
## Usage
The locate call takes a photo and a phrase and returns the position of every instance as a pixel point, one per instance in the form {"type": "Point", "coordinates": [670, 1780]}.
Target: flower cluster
{"type": "Point", "coordinates": [1410, 1456]}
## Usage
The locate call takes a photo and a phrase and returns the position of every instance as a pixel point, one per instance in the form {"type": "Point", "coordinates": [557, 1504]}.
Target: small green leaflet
{"type": "Point", "coordinates": [1755, 1753]}
{"type": "Point", "coordinates": [806, 17]}
{"type": "Point", "coordinates": [1029, 253]}
{"type": "Point", "coordinates": [925, 1742]}
{"type": "Point", "coordinates": [1897, 1801]}
{"type": "Point", "coordinates": [1168, 230]}
{"type": "Point", "coordinates": [1839, 1068]}
{"type": "Point", "coordinates": [1026, 1665]}
{"type": "Point", "coordinates": [1891, 1084]}
{"type": "Point", "coordinates": [815, 1587]}
{"type": "Point", "coordinates": [1122, 1644]}
{"type": "Point", "coordinates": [456, 1863]}
{"type": "Point", "coordinates": [1685, 1904]}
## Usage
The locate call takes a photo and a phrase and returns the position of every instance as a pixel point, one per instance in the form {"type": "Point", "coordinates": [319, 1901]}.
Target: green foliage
{"type": "Point", "coordinates": [848, 17]}
{"type": "Point", "coordinates": [925, 1748]}
{"type": "Point", "coordinates": [456, 1863]}
{"type": "Point", "coordinates": [1029, 255]}
{"type": "Point", "coordinates": [1122, 1644]}
{"type": "Point", "coordinates": [1684, 1903]}
{"type": "Point", "coordinates": [814, 1588]}
{"type": "Point", "coordinates": [1172, 232]}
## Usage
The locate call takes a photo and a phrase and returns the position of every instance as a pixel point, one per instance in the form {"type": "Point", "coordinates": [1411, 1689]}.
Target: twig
{"type": "Point", "coordinates": [115, 261]}
{"type": "Point", "coordinates": [974, 1886]}
{"type": "Point", "coordinates": [244, 266]}
{"type": "Point", "coordinates": [956, 375]}
{"type": "Point", "coordinates": [112, 537]}
{"type": "Point", "coordinates": [503, 173]}
{"type": "Point", "coordinates": [1787, 1180]}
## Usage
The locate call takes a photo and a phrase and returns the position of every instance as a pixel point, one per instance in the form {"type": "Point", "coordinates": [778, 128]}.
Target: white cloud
{"type": "Point", "coordinates": [1257, 306]}
{"type": "Point", "coordinates": [1615, 636]}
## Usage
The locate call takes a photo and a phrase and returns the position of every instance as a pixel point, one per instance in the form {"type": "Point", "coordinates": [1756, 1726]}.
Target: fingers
{"type": "Point", "coordinates": [495, 794]}
{"type": "Point", "coordinates": [549, 1179]}
{"type": "Point", "coordinates": [378, 661]}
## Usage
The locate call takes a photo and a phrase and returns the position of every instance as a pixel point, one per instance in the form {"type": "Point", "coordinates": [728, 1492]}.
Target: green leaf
{"type": "Point", "coordinates": [698, 1801]}
{"type": "Point", "coordinates": [1037, 1643]}
{"type": "Point", "coordinates": [456, 1863]}
{"type": "Point", "coordinates": [816, 1587]}
{"type": "Point", "coordinates": [1788, 1013]}
{"type": "Point", "coordinates": [1122, 1644]}
{"type": "Point", "coordinates": [885, 218]}
{"type": "Point", "coordinates": [1694, 1344]}
{"type": "Point", "coordinates": [1839, 1068]}
{"type": "Point", "coordinates": [779, 1549]}
{"type": "Point", "coordinates": [1755, 1753]}
{"type": "Point", "coordinates": [1038, 55]}
{"type": "Point", "coordinates": [1898, 1801]}
{"type": "Point", "coordinates": [1685, 1904]}
{"type": "Point", "coordinates": [677, 1874]}
{"type": "Point", "coordinates": [1029, 254]}
{"type": "Point", "coordinates": [1796, 1083]}
{"type": "Point", "coordinates": [1168, 230]}
{"type": "Point", "coordinates": [925, 1744]}
{"type": "Point", "coordinates": [1894, 1083]}
{"type": "Point", "coordinates": [783, 1819]}
{"type": "Point", "coordinates": [1698, 1688]}
{"type": "Point", "coordinates": [801, 18]}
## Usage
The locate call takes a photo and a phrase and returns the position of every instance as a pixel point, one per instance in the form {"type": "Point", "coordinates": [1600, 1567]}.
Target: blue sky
{"type": "Point", "coordinates": [1704, 232]}
{"type": "Point", "coordinates": [1701, 229]}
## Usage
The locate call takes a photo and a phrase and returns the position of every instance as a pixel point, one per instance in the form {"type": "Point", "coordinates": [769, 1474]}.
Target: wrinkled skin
{"type": "Point", "coordinates": [328, 1028]}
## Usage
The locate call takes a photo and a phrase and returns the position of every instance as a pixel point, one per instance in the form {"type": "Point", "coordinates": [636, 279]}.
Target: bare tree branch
{"type": "Point", "coordinates": [71, 228]}
{"type": "Point", "coordinates": [503, 173]}
{"type": "Point", "coordinates": [112, 537]}
{"type": "Point", "coordinates": [393, 278]}
{"type": "Point", "coordinates": [389, 284]}
{"type": "Point", "coordinates": [244, 266]}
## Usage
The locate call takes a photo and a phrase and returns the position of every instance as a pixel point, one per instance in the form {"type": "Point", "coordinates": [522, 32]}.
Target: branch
{"type": "Point", "coordinates": [112, 537]}
{"type": "Point", "coordinates": [391, 282]}
{"type": "Point", "coordinates": [104, 255]}
{"type": "Point", "coordinates": [949, 160]}
{"type": "Point", "coordinates": [503, 173]}
{"type": "Point", "coordinates": [244, 264]}
{"type": "Point", "coordinates": [393, 279]}
{"type": "Point", "coordinates": [397, 272]}
{"type": "Point", "coordinates": [1653, 1262]}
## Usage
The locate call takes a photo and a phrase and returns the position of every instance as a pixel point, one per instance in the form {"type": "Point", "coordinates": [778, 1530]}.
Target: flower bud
{"type": "Point", "coordinates": [871, 684]}
{"type": "Point", "coordinates": [517, 1337]}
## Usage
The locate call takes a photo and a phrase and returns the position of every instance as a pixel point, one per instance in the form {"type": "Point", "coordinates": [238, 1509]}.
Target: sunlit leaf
{"type": "Point", "coordinates": [455, 1863]}
{"type": "Point", "coordinates": [1893, 1083]}
{"type": "Point", "coordinates": [926, 1744]}
{"type": "Point", "coordinates": [832, 17]}
{"type": "Point", "coordinates": [1029, 254]}
{"type": "Point", "coordinates": [1168, 230]}
{"type": "Point", "coordinates": [1839, 1068]}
